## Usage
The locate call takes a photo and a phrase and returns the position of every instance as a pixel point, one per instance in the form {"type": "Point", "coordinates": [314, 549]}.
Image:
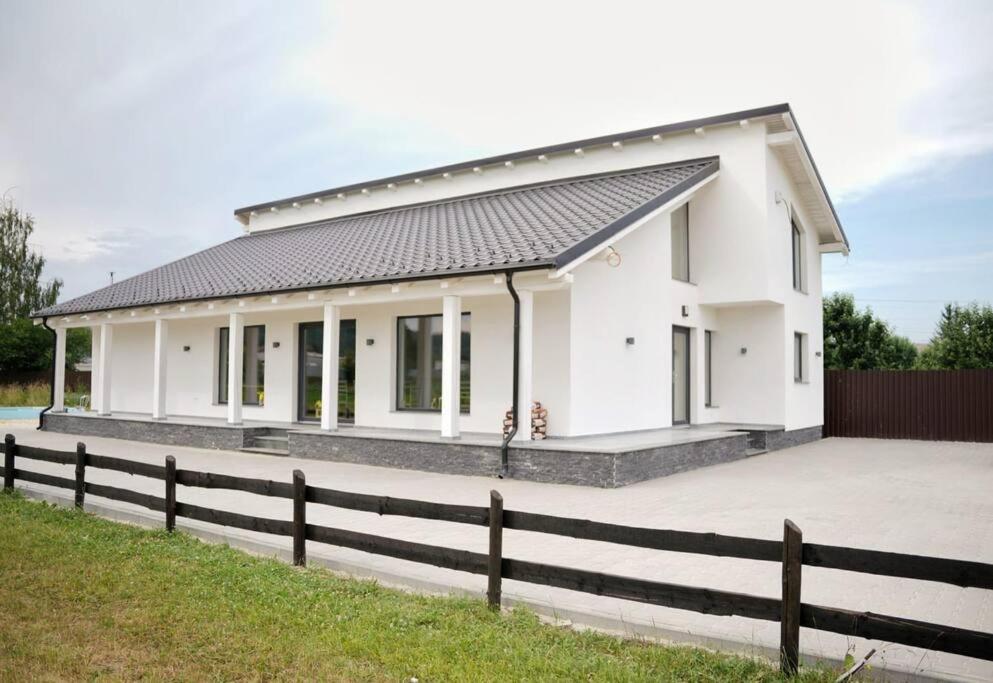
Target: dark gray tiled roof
{"type": "Point", "coordinates": [548, 224]}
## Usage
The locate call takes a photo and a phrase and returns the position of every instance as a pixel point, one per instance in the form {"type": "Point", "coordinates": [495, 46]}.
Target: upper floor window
{"type": "Point", "coordinates": [253, 366]}
{"type": "Point", "coordinates": [681, 243]}
{"type": "Point", "coordinates": [797, 238]}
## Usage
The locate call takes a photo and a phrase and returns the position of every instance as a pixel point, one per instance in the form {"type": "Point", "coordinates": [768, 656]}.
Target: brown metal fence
{"type": "Point", "coordinates": [931, 405]}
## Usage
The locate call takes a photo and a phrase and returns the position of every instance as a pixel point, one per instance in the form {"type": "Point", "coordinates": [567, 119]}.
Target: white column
{"type": "Point", "coordinates": [526, 368]}
{"type": "Point", "coordinates": [451, 362]}
{"type": "Point", "coordinates": [59, 404]}
{"type": "Point", "coordinates": [329, 368]}
{"type": "Point", "coordinates": [94, 367]}
{"type": "Point", "coordinates": [159, 369]}
{"type": "Point", "coordinates": [236, 366]}
{"type": "Point", "coordinates": [106, 344]}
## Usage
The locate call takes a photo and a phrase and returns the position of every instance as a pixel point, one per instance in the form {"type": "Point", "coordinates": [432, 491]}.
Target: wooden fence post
{"type": "Point", "coordinates": [299, 519]}
{"type": "Point", "coordinates": [789, 634]}
{"type": "Point", "coordinates": [494, 572]}
{"type": "Point", "coordinates": [80, 473]}
{"type": "Point", "coordinates": [9, 449]}
{"type": "Point", "coordinates": [170, 493]}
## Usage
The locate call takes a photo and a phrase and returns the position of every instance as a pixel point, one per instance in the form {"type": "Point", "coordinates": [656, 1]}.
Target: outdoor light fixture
{"type": "Point", "coordinates": [186, 348]}
{"type": "Point", "coordinates": [370, 342]}
{"type": "Point", "coordinates": [629, 341]}
{"type": "Point", "coordinates": [686, 311]}
{"type": "Point", "coordinates": [744, 350]}
{"type": "Point", "coordinates": [275, 345]}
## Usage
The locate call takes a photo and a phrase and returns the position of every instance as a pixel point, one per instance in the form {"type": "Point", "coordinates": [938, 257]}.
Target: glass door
{"type": "Point", "coordinates": [311, 371]}
{"type": "Point", "coordinates": [680, 375]}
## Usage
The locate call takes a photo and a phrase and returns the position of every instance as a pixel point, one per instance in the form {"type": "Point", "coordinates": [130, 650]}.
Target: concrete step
{"type": "Point", "coordinates": [277, 442]}
{"type": "Point", "coordinates": [264, 451]}
{"type": "Point", "coordinates": [749, 452]}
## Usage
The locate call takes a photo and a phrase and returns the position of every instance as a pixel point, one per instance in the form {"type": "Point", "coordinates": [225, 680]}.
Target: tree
{"type": "Point", "coordinates": [21, 288]}
{"type": "Point", "coordinates": [25, 346]}
{"type": "Point", "coordinates": [963, 339]}
{"type": "Point", "coordinates": [857, 340]}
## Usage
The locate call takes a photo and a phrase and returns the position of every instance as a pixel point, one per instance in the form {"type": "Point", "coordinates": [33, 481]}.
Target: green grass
{"type": "Point", "coordinates": [34, 394]}
{"type": "Point", "coordinates": [86, 598]}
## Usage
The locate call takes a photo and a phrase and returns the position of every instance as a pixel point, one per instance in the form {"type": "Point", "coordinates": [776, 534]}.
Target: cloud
{"type": "Point", "coordinates": [882, 89]}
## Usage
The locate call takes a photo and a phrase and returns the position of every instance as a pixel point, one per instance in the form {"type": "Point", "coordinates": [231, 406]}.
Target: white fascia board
{"type": "Point", "coordinates": [422, 290]}
{"type": "Point", "coordinates": [791, 138]}
{"type": "Point", "coordinates": [673, 203]}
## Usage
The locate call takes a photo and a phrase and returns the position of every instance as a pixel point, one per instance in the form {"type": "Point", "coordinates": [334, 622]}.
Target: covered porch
{"type": "Point", "coordinates": [438, 356]}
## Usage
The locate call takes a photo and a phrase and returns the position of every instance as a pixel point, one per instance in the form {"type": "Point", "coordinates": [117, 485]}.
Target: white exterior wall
{"type": "Point", "coordinates": [740, 289]}
{"type": "Point", "coordinates": [804, 310]}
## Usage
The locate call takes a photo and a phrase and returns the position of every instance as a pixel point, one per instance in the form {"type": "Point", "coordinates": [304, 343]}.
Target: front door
{"type": "Point", "coordinates": [310, 363]}
{"type": "Point", "coordinates": [680, 375]}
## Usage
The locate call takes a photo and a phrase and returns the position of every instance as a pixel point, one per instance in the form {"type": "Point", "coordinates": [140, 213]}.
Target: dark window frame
{"type": "Point", "coordinates": [796, 252]}
{"type": "Point", "coordinates": [464, 409]}
{"type": "Point", "coordinates": [799, 366]}
{"type": "Point", "coordinates": [222, 350]}
{"type": "Point", "coordinates": [708, 350]}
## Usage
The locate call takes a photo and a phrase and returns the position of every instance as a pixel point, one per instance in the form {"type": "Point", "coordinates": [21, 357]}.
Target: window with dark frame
{"type": "Point", "coordinates": [253, 368]}
{"type": "Point", "coordinates": [708, 341]}
{"type": "Point", "coordinates": [681, 243]}
{"type": "Point", "coordinates": [799, 367]}
{"type": "Point", "coordinates": [797, 256]}
{"type": "Point", "coordinates": [419, 363]}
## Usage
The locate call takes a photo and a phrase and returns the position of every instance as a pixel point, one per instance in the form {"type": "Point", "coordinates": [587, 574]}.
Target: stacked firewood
{"type": "Point", "coordinates": [539, 421]}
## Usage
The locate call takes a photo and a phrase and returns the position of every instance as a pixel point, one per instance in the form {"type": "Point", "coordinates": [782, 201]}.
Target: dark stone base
{"type": "Point", "coordinates": [605, 470]}
{"type": "Point", "coordinates": [581, 468]}
{"type": "Point", "coordinates": [774, 441]}
{"type": "Point", "coordinates": [221, 437]}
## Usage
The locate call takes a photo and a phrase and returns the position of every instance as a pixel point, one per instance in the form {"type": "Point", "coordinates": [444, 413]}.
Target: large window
{"type": "Point", "coordinates": [708, 347]}
{"type": "Point", "coordinates": [419, 363]}
{"type": "Point", "coordinates": [799, 357]}
{"type": "Point", "coordinates": [253, 366]}
{"type": "Point", "coordinates": [681, 243]}
{"type": "Point", "coordinates": [797, 256]}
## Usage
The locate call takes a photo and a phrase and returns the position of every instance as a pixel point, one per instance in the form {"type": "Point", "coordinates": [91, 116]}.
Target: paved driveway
{"type": "Point", "coordinates": [902, 496]}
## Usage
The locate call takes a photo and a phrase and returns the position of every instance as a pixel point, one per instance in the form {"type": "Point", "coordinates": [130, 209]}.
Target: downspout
{"type": "Point", "coordinates": [505, 446]}
{"type": "Point", "coordinates": [51, 398]}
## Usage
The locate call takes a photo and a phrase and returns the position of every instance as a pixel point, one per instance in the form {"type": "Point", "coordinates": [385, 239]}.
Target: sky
{"type": "Point", "coordinates": [132, 130]}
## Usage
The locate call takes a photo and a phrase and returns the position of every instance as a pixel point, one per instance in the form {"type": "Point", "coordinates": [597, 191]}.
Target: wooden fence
{"type": "Point", "coordinates": [791, 553]}
{"type": "Point", "coordinates": [77, 379]}
{"type": "Point", "coordinates": [933, 405]}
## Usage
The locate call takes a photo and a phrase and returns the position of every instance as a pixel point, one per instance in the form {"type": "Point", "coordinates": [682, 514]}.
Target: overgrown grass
{"type": "Point", "coordinates": [35, 394]}
{"type": "Point", "coordinates": [86, 598]}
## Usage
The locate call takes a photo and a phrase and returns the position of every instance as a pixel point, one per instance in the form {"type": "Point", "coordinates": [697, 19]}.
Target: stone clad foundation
{"type": "Point", "coordinates": [557, 464]}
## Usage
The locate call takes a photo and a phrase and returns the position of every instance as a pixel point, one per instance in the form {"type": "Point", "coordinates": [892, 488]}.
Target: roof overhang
{"type": "Point", "coordinates": [788, 143]}
{"type": "Point", "coordinates": [655, 133]}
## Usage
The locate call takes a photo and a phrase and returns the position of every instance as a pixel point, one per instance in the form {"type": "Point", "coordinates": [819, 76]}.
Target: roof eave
{"type": "Point", "coordinates": [732, 117]}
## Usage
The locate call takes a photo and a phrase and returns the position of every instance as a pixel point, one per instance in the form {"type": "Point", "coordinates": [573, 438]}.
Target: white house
{"type": "Point", "coordinates": [656, 278]}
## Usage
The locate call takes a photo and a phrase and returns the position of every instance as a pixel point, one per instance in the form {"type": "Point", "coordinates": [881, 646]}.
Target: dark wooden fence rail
{"type": "Point", "coordinates": [930, 405]}
{"type": "Point", "coordinates": [792, 553]}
